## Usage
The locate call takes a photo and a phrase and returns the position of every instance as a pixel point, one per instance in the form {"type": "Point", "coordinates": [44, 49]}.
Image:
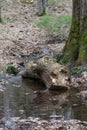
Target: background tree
{"type": "Point", "coordinates": [0, 12]}
{"type": "Point", "coordinates": [41, 4]}
{"type": "Point", "coordinates": [76, 45]}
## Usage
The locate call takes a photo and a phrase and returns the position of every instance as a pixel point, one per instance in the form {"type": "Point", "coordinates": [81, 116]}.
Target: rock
{"type": "Point", "coordinates": [20, 62]}
{"type": "Point", "coordinates": [84, 75]}
{"type": "Point", "coordinates": [76, 81]}
{"type": "Point", "coordinates": [46, 69]}
{"type": "Point", "coordinates": [83, 94]}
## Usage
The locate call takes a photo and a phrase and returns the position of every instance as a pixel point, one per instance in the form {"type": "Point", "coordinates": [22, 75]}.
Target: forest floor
{"type": "Point", "coordinates": [19, 34]}
{"type": "Point", "coordinates": [20, 37]}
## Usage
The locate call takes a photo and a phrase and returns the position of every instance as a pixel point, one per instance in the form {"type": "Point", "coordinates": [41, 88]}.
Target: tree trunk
{"type": "Point", "coordinates": [41, 5]}
{"type": "Point", "coordinates": [0, 13]}
{"type": "Point", "coordinates": [76, 45]}
{"type": "Point", "coordinates": [53, 75]}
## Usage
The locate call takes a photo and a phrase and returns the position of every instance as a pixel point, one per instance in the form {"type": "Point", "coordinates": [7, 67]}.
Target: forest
{"type": "Point", "coordinates": [43, 65]}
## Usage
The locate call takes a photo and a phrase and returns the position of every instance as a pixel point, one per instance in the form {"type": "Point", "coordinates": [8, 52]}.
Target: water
{"type": "Point", "coordinates": [25, 98]}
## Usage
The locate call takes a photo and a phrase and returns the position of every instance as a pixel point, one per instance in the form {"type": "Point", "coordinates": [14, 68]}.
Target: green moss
{"type": "Point", "coordinates": [83, 47]}
{"type": "Point", "coordinates": [76, 49]}
{"type": "Point", "coordinates": [0, 20]}
{"type": "Point", "coordinates": [76, 46]}
{"type": "Point", "coordinates": [65, 59]}
{"type": "Point", "coordinates": [71, 48]}
{"type": "Point", "coordinates": [70, 53]}
{"type": "Point", "coordinates": [11, 69]}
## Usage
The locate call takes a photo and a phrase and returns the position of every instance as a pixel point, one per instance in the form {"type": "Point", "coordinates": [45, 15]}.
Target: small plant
{"type": "Point", "coordinates": [53, 24]}
{"type": "Point", "coordinates": [11, 70]}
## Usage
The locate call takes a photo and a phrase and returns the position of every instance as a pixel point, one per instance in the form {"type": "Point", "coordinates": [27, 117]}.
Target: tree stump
{"type": "Point", "coordinates": [53, 75]}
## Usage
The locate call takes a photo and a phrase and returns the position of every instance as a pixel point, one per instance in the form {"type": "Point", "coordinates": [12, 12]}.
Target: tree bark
{"type": "Point", "coordinates": [76, 45]}
{"type": "Point", "coordinates": [53, 75]}
{"type": "Point", "coordinates": [41, 5]}
{"type": "Point", "coordinates": [0, 13]}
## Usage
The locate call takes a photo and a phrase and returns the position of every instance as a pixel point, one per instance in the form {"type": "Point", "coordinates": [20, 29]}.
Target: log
{"type": "Point", "coordinates": [46, 69]}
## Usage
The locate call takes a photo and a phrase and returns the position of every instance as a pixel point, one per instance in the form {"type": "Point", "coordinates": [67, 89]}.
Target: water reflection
{"type": "Point", "coordinates": [25, 98]}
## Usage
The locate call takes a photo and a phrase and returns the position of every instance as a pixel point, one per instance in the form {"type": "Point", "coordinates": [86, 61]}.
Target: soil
{"type": "Point", "coordinates": [19, 36]}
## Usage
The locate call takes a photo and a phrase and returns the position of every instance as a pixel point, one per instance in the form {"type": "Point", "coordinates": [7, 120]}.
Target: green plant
{"type": "Point", "coordinates": [52, 24]}
{"type": "Point", "coordinates": [11, 69]}
{"type": "Point", "coordinates": [52, 1]}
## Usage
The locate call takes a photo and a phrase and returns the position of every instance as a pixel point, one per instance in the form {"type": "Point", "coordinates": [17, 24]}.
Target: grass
{"type": "Point", "coordinates": [52, 24]}
{"type": "Point", "coordinates": [52, 1]}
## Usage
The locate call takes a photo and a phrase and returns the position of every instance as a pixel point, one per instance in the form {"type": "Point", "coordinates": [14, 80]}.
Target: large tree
{"type": "Point", "coordinates": [76, 45]}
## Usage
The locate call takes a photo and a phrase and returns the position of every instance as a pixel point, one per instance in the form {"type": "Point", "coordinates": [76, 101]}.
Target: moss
{"type": "Point", "coordinates": [65, 59]}
{"type": "Point", "coordinates": [71, 48]}
{"type": "Point", "coordinates": [0, 20]}
{"type": "Point", "coordinates": [44, 12]}
{"type": "Point", "coordinates": [76, 46]}
{"type": "Point", "coordinates": [83, 47]}
{"type": "Point", "coordinates": [70, 53]}
{"type": "Point", "coordinates": [11, 69]}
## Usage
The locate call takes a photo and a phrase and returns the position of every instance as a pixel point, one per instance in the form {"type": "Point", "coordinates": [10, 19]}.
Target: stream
{"type": "Point", "coordinates": [24, 98]}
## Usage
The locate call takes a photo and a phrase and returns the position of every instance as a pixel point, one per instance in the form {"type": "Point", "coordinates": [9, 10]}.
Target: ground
{"type": "Point", "coordinates": [19, 35]}
{"type": "Point", "coordinates": [21, 39]}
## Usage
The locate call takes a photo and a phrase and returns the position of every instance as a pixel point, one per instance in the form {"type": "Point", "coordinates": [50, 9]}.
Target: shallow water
{"type": "Point", "coordinates": [27, 98]}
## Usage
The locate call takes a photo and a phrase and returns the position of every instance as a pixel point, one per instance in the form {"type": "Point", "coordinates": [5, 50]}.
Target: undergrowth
{"type": "Point", "coordinates": [54, 25]}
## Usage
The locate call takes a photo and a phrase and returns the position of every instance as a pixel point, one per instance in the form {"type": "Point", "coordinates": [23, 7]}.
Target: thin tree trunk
{"type": "Point", "coordinates": [41, 5]}
{"type": "Point", "coordinates": [0, 13]}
